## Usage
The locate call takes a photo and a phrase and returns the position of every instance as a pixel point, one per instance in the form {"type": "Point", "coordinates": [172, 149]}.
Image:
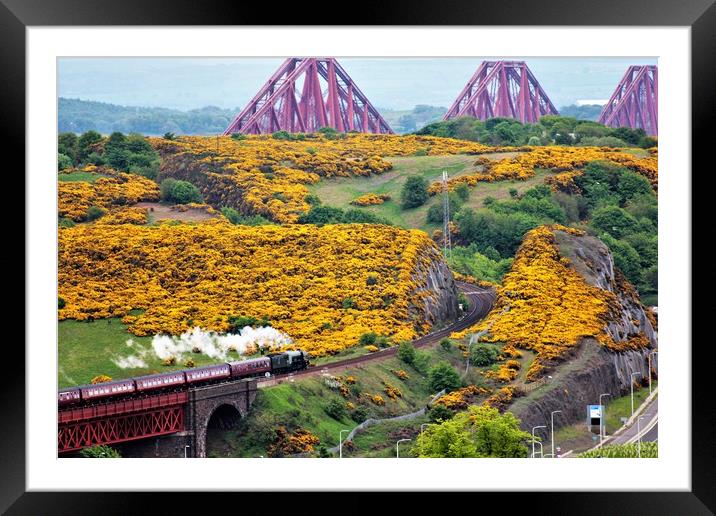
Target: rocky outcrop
{"type": "Point", "coordinates": [594, 369]}
{"type": "Point", "coordinates": [435, 298]}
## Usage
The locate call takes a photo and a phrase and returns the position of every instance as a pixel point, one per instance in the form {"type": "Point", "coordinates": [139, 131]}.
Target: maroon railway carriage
{"type": "Point", "coordinates": [160, 381]}
{"type": "Point", "coordinates": [107, 389]}
{"type": "Point", "coordinates": [251, 367]}
{"type": "Point", "coordinates": [68, 396]}
{"type": "Point", "coordinates": [208, 373]}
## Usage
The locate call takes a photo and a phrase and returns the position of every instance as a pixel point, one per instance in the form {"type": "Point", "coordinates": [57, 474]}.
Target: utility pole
{"type": "Point", "coordinates": [649, 357]}
{"type": "Point", "coordinates": [447, 247]}
{"type": "Point", "coordinates": [631, 377]}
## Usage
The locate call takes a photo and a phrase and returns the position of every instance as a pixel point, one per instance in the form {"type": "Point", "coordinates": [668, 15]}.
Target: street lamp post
{"type": "Point", "coordinates": [397, 447]}
{"type": "Point", "coordinates": [602, 424]}
{"type": "Point", "coordinates": [186, 447]}
{"type": "Point", "coordinates": [340, 443]}
{"type": "Point", "coordinates": [551, 417]}
{"type": "Point", "coordinates": [649, 359]}
{"type": "Point", "coordinates": [469, 346]}
{"type": "Point", "coordinates": [533, 438]}
{"type": "Point", "coordinates": [541, 453]}
{"type": "Point", "coordinates": [631, 377]}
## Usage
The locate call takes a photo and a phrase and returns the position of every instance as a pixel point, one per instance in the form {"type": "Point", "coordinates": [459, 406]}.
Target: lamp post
{"type": "Point", "coordinates": [186, 447]}
{"type": "Point", "coordinates": [533, 438]}
{"type": "Point", "coordinates": [397, 447]}
{"type": "Point", "coordinates": [340, 443]}
{"type": "Point", "coordinates": [541, 453]}
{"type": "Point", "coordinates": [602, 425]}
{"type": "Point", "coordinates": [649, 359]}
{"type": "Point", "coordinates": [473, 337]}
{"type": "Point", "coordinates": [632, 390]}
{"type": "Point", "coordinates": [551, 417]}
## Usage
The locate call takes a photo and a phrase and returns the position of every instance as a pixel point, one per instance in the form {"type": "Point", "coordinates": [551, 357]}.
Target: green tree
{"type": "Point", "coordinates": [68, 144]}
{"type": "Point", "coordinates": [462, 191]}
{"type": "Point", "coordinates": [336, 409]}
{"type": "Point", "coordinates": [100, 452]}
{"type": "Point", "coordinates": [615, 221]}
{"type": "Point", "coordinates": [443, 376]}
{"type": "Point", "coordinates": [63, 161]}
{"type": "Point", "coordinates": [478, 432]}
{"type": "Point", "coordinates": [414, 192]}
{"type": "Point", "coordinates": [86, 144]}
{"type": "Point", "coordinates": [406, 352]}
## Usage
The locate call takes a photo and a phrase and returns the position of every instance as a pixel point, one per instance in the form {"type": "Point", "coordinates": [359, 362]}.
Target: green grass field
{"type": "Point", "coordinates": [341, 191]}
{"type": "Point", "coordinates": [79, 176]}
{"type": "Point", "coordinates": [88, 349]}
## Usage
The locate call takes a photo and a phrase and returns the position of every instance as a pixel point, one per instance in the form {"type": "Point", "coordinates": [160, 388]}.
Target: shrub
{"type": "Point", "coordinates": [438, 413]}
{"type": "Point", "coordinates": [406, 352]}
{"type": "Point", "coordinates": [368, 338]}
{"type": "Point", "coordinates": [179, 192]}
{"type": "Point", "coordinates": [60, 303]}
{"type": "Point", "coordinates": [360, 414]}
{"type": "Point", "coordinates": [446, 344]}
{"type": "Point", "coordinates": [372, 279]}
{"type": "Point", "coordinates": [281, 135]}
{"type": "Point", "coordinates": [100, 452]}
{"type": "Point", "coordinates": [102, 378]}
{"type": "Point", "coordinates": [483, 356]}
{"type": "Point", "coordinates": [238, 136]}
{"type": "Point", "coordinates": [66, 222]}
{"type": "Point", "coordinates": [349, 303]}
{"type": "Point", "coordinates": [414, 192]}
{"type": "Point", "coordinates": [443, 376]}
{"type": "Point", "coordinates": [169, 136]}
{"type": "Point", "coordinates": [513, 192]}
{"type": "Point", "coordinates": [435, 214]}
{"type": "Point", "coordinates": [63, 161]}
{"type": "Point", "coordinates": [189, 363]}
{"type": "Point", "coordinates": [336, 409]}
{"type": "Point", "coordinates": [94, 212]}
{"type": "Point", "coordinates": [462, 191]}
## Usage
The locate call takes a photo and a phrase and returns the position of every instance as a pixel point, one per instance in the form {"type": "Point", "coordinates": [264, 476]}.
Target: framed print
{"type": "Point", "coordinates": [417, 253]}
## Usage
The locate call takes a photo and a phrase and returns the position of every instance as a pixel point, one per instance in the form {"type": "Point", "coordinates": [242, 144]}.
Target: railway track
{"type": "Point", "coordinates": [480, 301]}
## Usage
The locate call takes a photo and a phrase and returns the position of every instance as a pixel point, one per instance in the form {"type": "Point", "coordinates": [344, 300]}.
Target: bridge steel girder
{"type": "Point", "coordinates": [293, 100]}
{"type": "Point", "coordinates": [502, 89]}
{"type": "Point", "coordinates": [117, 429]}
{"type": "Point", "coordinates": [635, 101]}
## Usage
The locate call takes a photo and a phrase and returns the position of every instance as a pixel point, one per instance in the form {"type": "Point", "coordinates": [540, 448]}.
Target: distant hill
{"type": "Point", "coordinates": [411, 120]}
{"type": "Point", "coordinates": [585, 112]}
{"type": "Point", "coordinates": [75, 115]}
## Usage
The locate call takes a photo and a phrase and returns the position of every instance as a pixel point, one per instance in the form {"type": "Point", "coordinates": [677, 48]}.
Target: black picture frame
{"type": "Point", "coordinates": [700, 15]}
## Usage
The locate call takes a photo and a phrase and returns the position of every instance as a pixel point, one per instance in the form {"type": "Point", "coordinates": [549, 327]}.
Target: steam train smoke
{"type": "Point", "coordinates": [211, 344]}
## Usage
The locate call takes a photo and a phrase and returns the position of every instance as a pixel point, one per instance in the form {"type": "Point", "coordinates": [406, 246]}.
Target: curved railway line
{"type": "Point", "coordinates": [480, 301]}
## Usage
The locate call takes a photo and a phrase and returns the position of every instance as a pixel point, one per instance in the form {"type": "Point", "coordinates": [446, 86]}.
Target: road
{"type": "Point", "coordinates": [480, 301]}
{"type": "Point", "coordinates": [649, 426]}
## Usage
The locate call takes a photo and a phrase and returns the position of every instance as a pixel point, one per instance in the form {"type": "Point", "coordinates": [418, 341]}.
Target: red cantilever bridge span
{"type": "Point", "coordinates": [186, 413]}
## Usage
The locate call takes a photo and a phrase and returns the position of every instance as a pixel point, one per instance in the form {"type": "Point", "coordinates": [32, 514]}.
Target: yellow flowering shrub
{"type": "Point", "coordinates": [392, 391]}
{"type": "Point", "coordinates": [371, 348]}
{"type": "Point", "coordinates": [119, 189]}
{"type": "Point", "coordinates": [297, 276]}
{"type": "Point", "coordinates": [545, 305]}
{"type": "Point", "coordinates": [130, 215]}
{"type": "Point", "coordinates": [370, 199]}
{"type": "Point", "coordinates": [267, 176]}
{"type": "Point", "coordinates": [460, 398]}
{"type": "Point", "coordinates": [503, 397]}
{"type": "Point", "coordinates": [378, 400]}
{"type": "Point", "coordinates": [555, 158]}
{"type": "Point", "coordinates": [400, 373]}
{"type": "Point", "coordinates": [101, 379]}
{"type": "Point", "coordinates": [298, 441]}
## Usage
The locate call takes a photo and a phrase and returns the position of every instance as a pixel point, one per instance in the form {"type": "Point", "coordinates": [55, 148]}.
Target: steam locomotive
{"type": "Point", "coordinates": [272, 364]}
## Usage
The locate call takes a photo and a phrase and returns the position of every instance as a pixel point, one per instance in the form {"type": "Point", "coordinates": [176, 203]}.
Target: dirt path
{"type": "Point", "coordinates": [158, 211]}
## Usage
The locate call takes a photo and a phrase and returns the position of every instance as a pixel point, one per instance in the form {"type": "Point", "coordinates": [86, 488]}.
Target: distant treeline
{"type": "Point", "coordinates": [79, 116]}
{"type": "Point", "coordinates": [550, 130]}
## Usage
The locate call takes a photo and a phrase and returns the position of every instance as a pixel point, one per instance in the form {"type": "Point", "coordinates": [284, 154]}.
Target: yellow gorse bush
{"type": "Point", "coordinates": [119, 189]}
{"type": "Point", "coordinates": [267, 176]}
{"type": "Point", "coordinates": [370, 199]}
{"type": "Point", "coordinates": [546, 306]}
{"type": "Point", "coordinates": [297, 276]}
{"type": "Point", "coordinates": [557, 158]}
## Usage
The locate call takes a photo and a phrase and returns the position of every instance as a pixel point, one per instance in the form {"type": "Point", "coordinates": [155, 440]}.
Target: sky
{"type": "Point", "coordinates": [389, 83]}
